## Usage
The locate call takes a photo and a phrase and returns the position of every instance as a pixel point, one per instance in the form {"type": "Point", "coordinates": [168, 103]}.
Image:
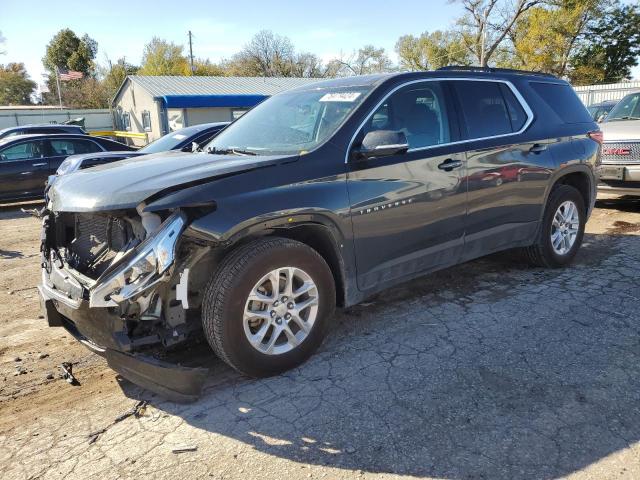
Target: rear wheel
{"type": "Point", "coordinates": [562, 229]}
{"type": "Point", "coordinates": [268, 307]}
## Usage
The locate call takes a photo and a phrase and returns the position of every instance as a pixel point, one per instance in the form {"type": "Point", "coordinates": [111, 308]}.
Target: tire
{"type": "Point", "coordinates": [542, 252]}
{"type": "Point", "coordinates": [227, 296]}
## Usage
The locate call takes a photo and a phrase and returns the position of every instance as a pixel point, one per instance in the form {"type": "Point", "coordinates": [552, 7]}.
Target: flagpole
{"type": "Point", "coordinates": [58, 84]}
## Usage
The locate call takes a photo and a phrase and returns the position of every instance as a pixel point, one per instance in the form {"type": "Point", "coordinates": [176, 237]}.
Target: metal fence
{"type": "Point", "coordinates": [591, 94]}
{"type": "Point", "coordinates": [94, 119]}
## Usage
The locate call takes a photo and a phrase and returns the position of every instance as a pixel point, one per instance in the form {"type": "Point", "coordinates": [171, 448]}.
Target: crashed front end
{"type": "Point", "coordinates": [119, 282]}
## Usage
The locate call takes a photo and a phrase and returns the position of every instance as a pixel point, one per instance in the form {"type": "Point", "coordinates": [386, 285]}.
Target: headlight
{"type": "Point", "coordinates": [141, 268]}
{"type": "Point", "coordinates": [69, 165]}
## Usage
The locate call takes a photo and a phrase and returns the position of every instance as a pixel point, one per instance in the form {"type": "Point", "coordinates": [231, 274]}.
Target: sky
{"type": "Point", "coordinates": [220, 28]}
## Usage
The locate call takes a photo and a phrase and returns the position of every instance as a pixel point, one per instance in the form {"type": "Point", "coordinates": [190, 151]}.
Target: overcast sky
{"type": "Point", "coordinates": [220, 28]}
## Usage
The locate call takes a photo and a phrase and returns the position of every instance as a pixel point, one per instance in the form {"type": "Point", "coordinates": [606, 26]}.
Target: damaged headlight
{"type": "Point", "coordinates": [141, 268]}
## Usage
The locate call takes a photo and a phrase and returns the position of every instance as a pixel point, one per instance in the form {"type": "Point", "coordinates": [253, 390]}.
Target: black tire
{"type": "Point", "coordinates": [227, 292]}
{"type": "Point", "coordinates": [541, 253]}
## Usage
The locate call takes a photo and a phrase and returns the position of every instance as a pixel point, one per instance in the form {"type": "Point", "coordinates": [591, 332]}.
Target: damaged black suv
{"type": "Point", "coordinates": [319, 196]}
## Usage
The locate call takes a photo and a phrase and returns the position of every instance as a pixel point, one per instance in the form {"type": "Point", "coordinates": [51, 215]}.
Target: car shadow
{"type": "Point", "coordinates": [488, 370]}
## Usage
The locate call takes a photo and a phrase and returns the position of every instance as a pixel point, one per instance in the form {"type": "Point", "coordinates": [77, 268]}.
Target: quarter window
{"type": "Point", "coordinates": [489, 108]}
{"type": "Point", "coordinates": [418, 111]}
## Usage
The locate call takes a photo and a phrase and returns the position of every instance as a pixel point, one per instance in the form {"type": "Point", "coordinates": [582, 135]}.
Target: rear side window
{"type": "Point", "coordinates": [489, 108]}
{"type": "Point", "coordinates": [563, 101]}
{"type": "Point", "coordinates": [73, 147]}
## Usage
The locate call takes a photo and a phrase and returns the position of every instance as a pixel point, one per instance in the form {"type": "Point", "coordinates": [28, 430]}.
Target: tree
{"type": "Point", "coordinates": [86, 93]}
{"type": "Point", "coordinates": [544, 39]}
{"type": "Point", "coordinates": [486, 24]}
{"type": "Point", "coordinates": [161, 57]}
{"type": "Point", "coordinates": [114, 75]}
{"type": "Point", "coordinates": [205, 67]}
{"type": "Point", "coordinates": [613, 47]}
{"type": "Point", "coordinates": [431, 51]}
{"type": "Point", "coordinates": [266, 55]}
{"type": "Point", "coordinates": [15, 85]}
{"type": "Point", "coordinates": [366, 60]}
{"type": "Point", "coordinates": [67, 51]}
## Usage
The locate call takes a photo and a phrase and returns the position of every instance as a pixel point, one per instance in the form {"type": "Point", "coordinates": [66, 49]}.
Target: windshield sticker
{"type": "Point", "coordinates": [179, 136]}
{"type": "Point", "coordinates": [340, 97]}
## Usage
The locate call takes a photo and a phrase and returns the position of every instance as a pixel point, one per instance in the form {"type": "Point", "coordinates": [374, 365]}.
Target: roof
{"type": "Point", "coordinates": [160, 86]}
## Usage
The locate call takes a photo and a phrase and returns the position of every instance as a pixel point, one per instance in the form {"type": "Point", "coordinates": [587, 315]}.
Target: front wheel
{"type": "Point", "coordinates": [268, 307]}
{"type": "Point", "coordinates": [562, 229]}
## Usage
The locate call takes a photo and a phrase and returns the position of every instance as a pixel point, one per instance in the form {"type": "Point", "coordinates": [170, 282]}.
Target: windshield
{"type": "Point", "coordinates": [289, 123]}
{"type": "Point", "coordinates": [164, 144]}
{"type": "Point", "coordinates": [627, 109]}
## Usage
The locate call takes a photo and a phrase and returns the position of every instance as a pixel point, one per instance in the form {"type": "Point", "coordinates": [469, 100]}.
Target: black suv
{"type": "Point", "coordinates": [319, 196]}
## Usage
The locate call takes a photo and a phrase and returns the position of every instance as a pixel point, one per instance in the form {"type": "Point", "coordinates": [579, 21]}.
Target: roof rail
{"type": "Point", "coordinates": [465, 68]}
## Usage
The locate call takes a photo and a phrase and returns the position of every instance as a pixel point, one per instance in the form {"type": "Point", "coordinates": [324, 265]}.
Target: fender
{"type": "Point", "coordinates": [561, 172]}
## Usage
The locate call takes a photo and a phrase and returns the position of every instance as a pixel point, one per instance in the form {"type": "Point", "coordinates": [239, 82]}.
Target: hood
{"type": "Point", "coordinates": [621, 130]}
{"type": "Point", "coordinates": [127, 183]}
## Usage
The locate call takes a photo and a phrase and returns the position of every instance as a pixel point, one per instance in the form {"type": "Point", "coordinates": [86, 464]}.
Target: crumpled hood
{"type": "Point", "coordinates": [125, 184]}
{"type": "Point", "coordinates": [620, 130]}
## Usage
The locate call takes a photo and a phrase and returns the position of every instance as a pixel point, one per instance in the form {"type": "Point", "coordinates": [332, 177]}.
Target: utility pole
{"type": "Point", "coordinates": [191, 51]}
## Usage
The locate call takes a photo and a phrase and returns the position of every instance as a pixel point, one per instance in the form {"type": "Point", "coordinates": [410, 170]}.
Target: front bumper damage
{"type": "Point", "coordinates": [122, 314]}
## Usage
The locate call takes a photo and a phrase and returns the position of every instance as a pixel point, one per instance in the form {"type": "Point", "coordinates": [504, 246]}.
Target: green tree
{"type": "Point", "coordinates": [431, 51]}
{"type": "Point", "coordinates": [115, 74]}
{"type": "Point", "coordinates": [15, 85]}
{"type": "Point", "coordinates": [612, 49]}
{"type": "Point", "coordinates": [161, 57]}
{"type": "Point", "coordinates": [206, 68]}
{"type": "Point", "coordinates": [67, 51]}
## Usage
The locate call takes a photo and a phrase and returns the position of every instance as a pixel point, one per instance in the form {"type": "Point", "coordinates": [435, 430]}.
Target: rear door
{"type": "Point", "coordinates": [61, 148]}
{"type": "Point", "coordinates": [408, 209]}
{"type": "Point", "coordinates": [506, 177]}
{"type": "Point", "coordinates": [24, 169]}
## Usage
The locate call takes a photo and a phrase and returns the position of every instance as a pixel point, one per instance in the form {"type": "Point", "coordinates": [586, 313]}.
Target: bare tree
{"type": "Point", "coordinates": [366, 60]}
{"type": "Point", "coordinates": [487, 23]}
{"type": "Point", "coordinates": [266, 55]}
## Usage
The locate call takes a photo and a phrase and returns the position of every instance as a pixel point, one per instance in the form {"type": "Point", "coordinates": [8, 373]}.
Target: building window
{"type": "Point", "coordinates": [126, 121]}
{"type": "Point", "coordinates": [146, 121]}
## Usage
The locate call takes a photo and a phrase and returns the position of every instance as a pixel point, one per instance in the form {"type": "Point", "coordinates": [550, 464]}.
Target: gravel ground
{"type": "Point", "coordinates": [489, 370]}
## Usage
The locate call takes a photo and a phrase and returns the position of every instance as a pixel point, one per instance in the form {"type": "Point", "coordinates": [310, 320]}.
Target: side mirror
{"type": "Point", "coordinates": [382, 143]}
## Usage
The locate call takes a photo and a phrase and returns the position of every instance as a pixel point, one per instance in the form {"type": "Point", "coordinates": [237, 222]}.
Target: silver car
{"type": "Point", "coordinates": [620, 169]}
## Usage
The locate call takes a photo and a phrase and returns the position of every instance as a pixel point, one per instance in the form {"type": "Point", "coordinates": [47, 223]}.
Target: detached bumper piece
{"type": "Point", "coordinates": [171, 381]}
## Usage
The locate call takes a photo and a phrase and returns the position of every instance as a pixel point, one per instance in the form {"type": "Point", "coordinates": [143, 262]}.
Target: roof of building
{"type": "Point", "coordinates": [159, 86]}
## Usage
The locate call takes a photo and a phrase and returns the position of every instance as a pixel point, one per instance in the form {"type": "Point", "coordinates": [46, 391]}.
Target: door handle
{"type": "Point", "coordinates": [38, 164]}
{"type": "Point", "coordinates": [449, 164]}
{"type": "Point", "coordinates": [537, 148]}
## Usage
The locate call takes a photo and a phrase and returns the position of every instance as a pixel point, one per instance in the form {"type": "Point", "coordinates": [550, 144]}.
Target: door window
{"type": "Point", "coordinates": [72, 147]}
{"type": "Point", "coordinates": [22, 151]}
{"type": "Point", "coordinates": [418, 111]}
{"type": "Point", "coordinates": [489, 108]}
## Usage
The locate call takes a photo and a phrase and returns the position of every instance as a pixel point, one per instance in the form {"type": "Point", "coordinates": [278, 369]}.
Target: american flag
{"type": "Point", "coordinates": [69, 75]}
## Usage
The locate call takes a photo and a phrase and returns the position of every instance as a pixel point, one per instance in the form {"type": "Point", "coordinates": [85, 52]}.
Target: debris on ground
{"type": "Point", "coordinates": [137, 411]}
{"type": "Point", "coordinates": [43, 356]}
{"type": "Point", "coordinates": [17, 359]}
{"type": "Point", "coordinates": [184, 448]}
{"type": "Point", "coordinates": [20, 371]}
{"type": "Point", "coordinates": [67, 373]}
{"type": "Point", "coordinates": [50, 376]}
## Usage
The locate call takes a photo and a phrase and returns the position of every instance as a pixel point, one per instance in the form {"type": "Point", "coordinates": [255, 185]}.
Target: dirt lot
{"type": "Point", "coordinates": [490, 370]}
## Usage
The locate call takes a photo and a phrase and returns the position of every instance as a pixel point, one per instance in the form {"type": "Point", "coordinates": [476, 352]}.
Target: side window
{"type": "Point", "coordinates": [484, 108]}
{"type": "Point", "coordinates": [73, 147]}
{"type": "Point", "coordinates": [22, 151]}
{"type": "Point", "coordinates": [146, 121]}
{"type": "Point", "coordinates": [418, 111]}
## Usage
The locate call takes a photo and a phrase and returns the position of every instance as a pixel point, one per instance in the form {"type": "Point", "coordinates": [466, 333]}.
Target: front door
{"type": "Point", "coordinates": [408, 209]}
{"type": "Point", "coordinates": [24, 169]}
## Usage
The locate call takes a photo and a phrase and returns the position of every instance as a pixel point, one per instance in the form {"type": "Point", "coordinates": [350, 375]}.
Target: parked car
{"type": "Point", "coordinates": [185, 139]}
{"type": "Point", "coordinates": [620, 170]}
{"type": "Point", "coordinates": [318, 197]}
{"type": "Point", "coordinates": [599, 111]}
{"type": "Point", "coordinates": [43, 129]}
{"type": "Point", "coordinates": [26, 161]}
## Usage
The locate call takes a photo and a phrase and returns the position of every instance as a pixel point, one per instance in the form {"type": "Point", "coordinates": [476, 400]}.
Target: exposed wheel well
{"type": "Point", "coordinates": [580, 181]}
{"type": "Point", "coordinates": [319, 238]}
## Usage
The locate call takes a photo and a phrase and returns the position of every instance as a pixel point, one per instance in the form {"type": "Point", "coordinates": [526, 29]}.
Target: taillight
{"type": "Point", "coordinates": [596, 136]}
